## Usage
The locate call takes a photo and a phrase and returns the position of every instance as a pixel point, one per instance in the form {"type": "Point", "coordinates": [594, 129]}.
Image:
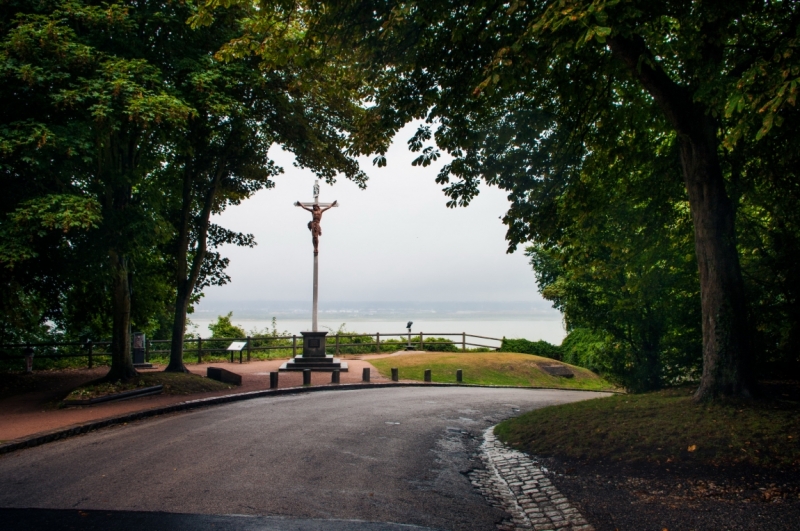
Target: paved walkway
{"type": "Point", "coordinates": [395, 455]}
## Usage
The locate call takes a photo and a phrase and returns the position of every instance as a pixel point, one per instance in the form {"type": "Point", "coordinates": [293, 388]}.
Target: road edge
{"type": "Point", "coordinates": [72, 431]}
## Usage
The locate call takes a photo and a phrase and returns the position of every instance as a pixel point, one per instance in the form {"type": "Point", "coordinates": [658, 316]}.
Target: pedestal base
{"type": "Point", "coordinates": [316, 363]}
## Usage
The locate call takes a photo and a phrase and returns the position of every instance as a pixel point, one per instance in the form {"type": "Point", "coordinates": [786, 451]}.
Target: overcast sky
{"type": "Point", "coordinates": [394, 241]}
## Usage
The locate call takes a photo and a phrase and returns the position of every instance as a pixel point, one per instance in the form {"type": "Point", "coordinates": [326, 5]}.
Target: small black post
{"type": "Point", "coordinates": [199, 349]}
{"type": "Point", "coordinates": [395, 375]}
{"type": "Point", "coordinates": [28, 359]}
{"type": "Point", "coordinates": [147, 351]}
{"type": "Point", "coordinates": [90, 346]}
{"type": "Point", "coordinates": [273, 380]}
{"type": "Point", "coordinates": [365, 374]}
{"type": "Point", "coordinates": [459, 376]}
{"type": "Point", "coordinates": [306, 376]}
{"type": "Point", "coordinates": [427, 375]}
{"type": "Point", "coordinates": [294, 345]}
{"type": "Point", "coordinates": [248, 349]}
{"type": "Point", "coordinates": [335, 376]}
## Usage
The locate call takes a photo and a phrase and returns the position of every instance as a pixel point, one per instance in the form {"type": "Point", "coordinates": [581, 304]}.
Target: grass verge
{"type": "Point", "coordinates": [495, 368]}
{"type": "Point", "coordinates": [664, 427]}
{"type": "Point", "coordinates": [174, 384]}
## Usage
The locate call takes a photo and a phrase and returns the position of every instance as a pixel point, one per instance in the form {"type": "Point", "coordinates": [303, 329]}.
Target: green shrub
{"type": "Point", "coordinates": [537, 348]}
{"type": "Point", "coordinates": [586, 348]}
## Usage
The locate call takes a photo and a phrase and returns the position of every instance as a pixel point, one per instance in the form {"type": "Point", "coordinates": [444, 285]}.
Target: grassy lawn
{"type": "Point", "coordinates": [174, 384]}
{"type": "Point", "coordinates": [663, 428]}
{"type": "Point", "coordinates": [494, 368]}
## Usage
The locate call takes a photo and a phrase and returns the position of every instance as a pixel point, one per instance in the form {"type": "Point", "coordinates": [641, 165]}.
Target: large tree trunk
{"type": "Point", "coordinates": [121, 361]}
{"type": "Point", "coordinates": [726, 337]}
{"type": "Point", "coordinates": [186, 278]}
{"type": "Point", "coordinates": [726, 331]}
{"type": "Point", "coordinates": [182, 294]}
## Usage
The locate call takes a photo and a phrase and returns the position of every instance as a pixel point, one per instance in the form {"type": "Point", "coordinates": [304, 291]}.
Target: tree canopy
{"type": "Point", "coordinates": [542, 97]}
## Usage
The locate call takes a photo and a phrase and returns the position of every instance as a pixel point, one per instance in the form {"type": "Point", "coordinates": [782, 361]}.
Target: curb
{"type": "Point", "coordinates": [64, 433]}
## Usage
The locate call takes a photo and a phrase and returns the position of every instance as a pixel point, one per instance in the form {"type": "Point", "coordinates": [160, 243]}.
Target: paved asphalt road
{"type": "Point", "coordinates": [338, 460]}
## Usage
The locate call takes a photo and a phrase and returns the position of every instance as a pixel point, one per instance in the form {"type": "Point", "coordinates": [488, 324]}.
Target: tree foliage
{"type": "Point", "coordinates": [561, 103]}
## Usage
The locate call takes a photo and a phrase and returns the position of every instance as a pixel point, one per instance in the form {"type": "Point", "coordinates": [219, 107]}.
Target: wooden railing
{"type": "Point", "coordinates": [93, 349]}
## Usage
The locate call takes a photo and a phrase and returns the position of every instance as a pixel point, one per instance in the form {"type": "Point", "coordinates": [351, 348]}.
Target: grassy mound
{"type": "Point", "coordinates": [665, 427]}
{"type": "Point", "coordinates": [495, 368]}
{"type": "Point", "coordinates": [174, 384]}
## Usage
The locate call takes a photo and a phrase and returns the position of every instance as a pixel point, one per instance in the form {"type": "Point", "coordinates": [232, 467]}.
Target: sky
{"type": "Point", "coordinates": [394, 241]}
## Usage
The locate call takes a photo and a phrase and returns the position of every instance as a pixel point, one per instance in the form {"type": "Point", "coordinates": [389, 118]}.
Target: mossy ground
{"type": "Point", "coordinates": [664, 428]}
{"type": "Point", "coordinates": [174, 384]}
{"type": "Point", "coordinates": [490, 368]}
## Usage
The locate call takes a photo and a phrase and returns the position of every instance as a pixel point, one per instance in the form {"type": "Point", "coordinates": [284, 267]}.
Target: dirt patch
{"type": "Point", "coordinates": [616, 497]}
{"type": "Point", "coordinates": [174, 384]}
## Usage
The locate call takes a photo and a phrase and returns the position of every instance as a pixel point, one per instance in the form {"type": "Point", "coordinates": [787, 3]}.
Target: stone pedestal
{"type": "Point", "coordinates": [314, 357]}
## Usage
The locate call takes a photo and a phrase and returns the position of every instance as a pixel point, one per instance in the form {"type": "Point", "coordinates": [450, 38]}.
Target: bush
{"type": "Point", "coordinates": [586, 348]}
{"type": "Point", "coordinates": [537, 348]}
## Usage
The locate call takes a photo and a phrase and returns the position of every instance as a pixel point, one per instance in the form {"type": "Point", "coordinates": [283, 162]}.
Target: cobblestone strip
{"type": "Point", "coordinates": [518, 485]}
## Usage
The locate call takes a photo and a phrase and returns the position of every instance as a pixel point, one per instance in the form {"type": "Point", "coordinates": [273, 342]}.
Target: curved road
{"type": "Point", "coordinates": [326, 460]}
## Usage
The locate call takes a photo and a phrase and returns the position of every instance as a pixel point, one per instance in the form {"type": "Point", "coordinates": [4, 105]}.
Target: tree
{"type": "Point", "coordinates": [287, 92]}
{"type": "Point", "coordinates": [551, 72]}
{"type": "Point", "coordinates": [81, 88]}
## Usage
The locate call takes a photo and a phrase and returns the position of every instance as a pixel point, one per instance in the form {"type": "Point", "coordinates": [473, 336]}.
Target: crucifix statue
{"type": "Point", "coordinates": [316, 208]}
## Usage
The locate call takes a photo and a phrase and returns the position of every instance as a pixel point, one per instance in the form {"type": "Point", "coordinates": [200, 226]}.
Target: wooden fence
{"type": "Point", "coordinates": [94, 349]}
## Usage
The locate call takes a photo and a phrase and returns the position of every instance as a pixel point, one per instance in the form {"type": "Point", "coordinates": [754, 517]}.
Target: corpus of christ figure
{"type": "Point", "coordinates": [316, 217]}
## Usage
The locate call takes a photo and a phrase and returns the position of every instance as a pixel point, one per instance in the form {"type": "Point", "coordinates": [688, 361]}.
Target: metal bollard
{"type": "Point", "coordinates": [365, 374]}
{"type": "Point", "coordinates": [395, 374]}
{"type": "Point", "coordinates": [335, 376]}
{"type": "Point", "coordinates": [273, 380]}
{"type": "Point", "coordinates": [427, 375]}
{"type": "Point", "coordinates": [459, 376]}
{"type": "Point", "coordinates": [306, 376]}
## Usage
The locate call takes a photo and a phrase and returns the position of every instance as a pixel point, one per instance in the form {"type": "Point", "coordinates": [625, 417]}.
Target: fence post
{"type": "Point", "coordinates": [147, 351]}
{"type": "Point", "coordinates": [199, 349]}
{"type": "Point", "coordinates": [91, 351]}
{"type": "Point", "coordinates": [421, 342]}
{"type": "Point", "coordinates": [378, 342]}
{"type": "Point", "coordinates": [463, 341]}
{"type": "Point", "coordinates": [294, 345]}
{"type": "Point", "coordinates": [337, 343]}
{"type": "Point", "coordinates": [248, 349]}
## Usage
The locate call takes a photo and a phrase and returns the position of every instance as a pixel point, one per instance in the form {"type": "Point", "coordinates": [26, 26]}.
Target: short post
{"type": "Point", "coordinates": [395, 374]}
{"type": "Point", "coordinates": [459, 376]}
{"type": "Point", "coordinates": [248, 349]}
{"type": "Point", "coordinates": [147, 351]}
{"type": "Point", "coordinates": [273, 380]}
{"type": "Point", "coordinates": [306, 376]}
{"type": "Point", "coordinates": [337, 343]}
{"type": "Point", "coordinates": [199, 349]}
{"type": "Point", "coordinates": [90, 347]}
{"type": "Point", "coordinates": [427, 375]}
{"type": "Point", "coordinates": [421, 342]}
{"type": "Point", "coordinates": [335, 376]}
{"type": "Point", "coordinates": [463, 341]}
{"type": "Point", "coordinates": [365, 374]}
{"type": "Point", "coordinates": [29, 359]}
{"type": "Point", "coordinates": [294, 345]}
{"type": "Point", "coordinates": [378, 342]}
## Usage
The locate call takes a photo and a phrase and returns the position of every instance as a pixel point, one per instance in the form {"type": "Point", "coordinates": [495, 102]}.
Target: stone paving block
{"type": "Point", "coordinates": [514, 482]}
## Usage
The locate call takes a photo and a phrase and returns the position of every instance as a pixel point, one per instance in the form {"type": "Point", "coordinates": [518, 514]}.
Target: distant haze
{"type": "Point", "coordinates": [395, 242]}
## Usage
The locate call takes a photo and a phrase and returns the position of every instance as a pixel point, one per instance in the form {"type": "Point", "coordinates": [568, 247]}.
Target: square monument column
{"type": "Point", "coordinates": [314, 344]}
{"type": "Point", "coordinates": [314, 357]}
